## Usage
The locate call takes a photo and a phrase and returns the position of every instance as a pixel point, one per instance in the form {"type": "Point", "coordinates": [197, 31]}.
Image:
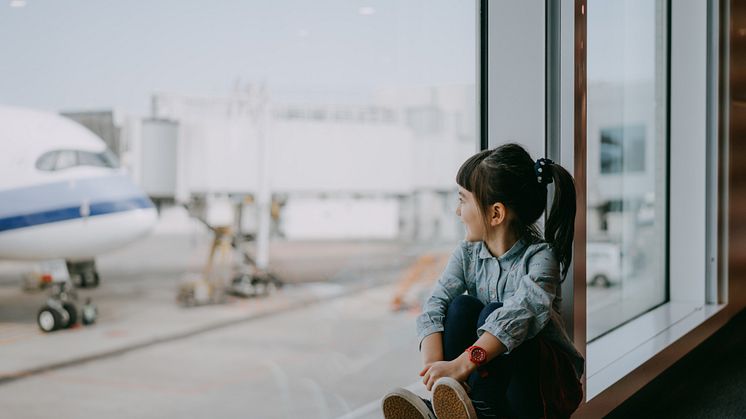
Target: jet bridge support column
{"type": "Point", "coordinates": [264, 193]}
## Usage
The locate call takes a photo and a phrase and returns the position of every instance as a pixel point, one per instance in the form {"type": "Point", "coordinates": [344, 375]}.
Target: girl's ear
{"type": "Point", "coordinates": [498, 214]}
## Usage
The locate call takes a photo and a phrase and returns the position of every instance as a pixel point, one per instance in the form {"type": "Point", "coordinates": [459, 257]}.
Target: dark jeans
{"type": "Point", "coordinates": [511, 387]}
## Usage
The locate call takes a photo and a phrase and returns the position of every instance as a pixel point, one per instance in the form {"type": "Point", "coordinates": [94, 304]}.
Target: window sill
{"type": "Point", "coordinates": [613, 356]}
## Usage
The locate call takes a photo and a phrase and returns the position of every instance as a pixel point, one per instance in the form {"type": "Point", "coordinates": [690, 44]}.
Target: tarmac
{"type": "Point", "coordinates": [326, 345]}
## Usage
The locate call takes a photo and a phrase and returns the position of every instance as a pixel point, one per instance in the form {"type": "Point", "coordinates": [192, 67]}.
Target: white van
{"type": "Point", "coordinates": [604, 263]}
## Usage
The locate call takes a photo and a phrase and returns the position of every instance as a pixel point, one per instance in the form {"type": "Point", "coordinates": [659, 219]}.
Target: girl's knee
{"type": "Point", "coordinates": [486, 311]}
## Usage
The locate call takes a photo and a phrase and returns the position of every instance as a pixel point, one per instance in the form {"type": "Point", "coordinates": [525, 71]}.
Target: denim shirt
{"type": "Point", "coordinates": [526, 279]}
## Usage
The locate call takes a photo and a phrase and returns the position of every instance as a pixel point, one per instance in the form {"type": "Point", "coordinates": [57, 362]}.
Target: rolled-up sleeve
{"type": "Point", "coordinates": [525, 313]}
{"type": "Point", "coordinates": [451, 284]}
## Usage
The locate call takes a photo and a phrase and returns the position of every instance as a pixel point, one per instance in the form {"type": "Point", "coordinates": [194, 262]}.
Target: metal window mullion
{"type": "Point", "coordinates": [482, 73]}
{"type": "Point", "coordinates": [552, 93]}
{"type": "Point", "coordinates": [712, 150]}
{"type": "Point", "coordinates": [723, 150]}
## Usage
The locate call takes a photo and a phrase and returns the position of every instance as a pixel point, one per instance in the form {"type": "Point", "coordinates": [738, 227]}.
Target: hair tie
{"type": "Point", "coordinates": [543, 171]}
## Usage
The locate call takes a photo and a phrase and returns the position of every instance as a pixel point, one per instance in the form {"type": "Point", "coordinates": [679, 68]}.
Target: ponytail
{"type": "Point", "coordinates": [560, 228]}
{"type": "Point", "coordinates": [509, 175]}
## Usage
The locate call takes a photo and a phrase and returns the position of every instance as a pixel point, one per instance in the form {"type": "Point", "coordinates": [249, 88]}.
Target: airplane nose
{"type": "Point", "coordinates": [150, 217]}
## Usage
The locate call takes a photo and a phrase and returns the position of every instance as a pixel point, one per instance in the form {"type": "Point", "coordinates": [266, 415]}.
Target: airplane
{"type": "Point", "coordinates": [63, 197]}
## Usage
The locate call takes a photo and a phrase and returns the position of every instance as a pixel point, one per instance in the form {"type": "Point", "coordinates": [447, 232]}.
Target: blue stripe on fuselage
{"type": "Point", "coordinates": [67, 193]}
{"type": "Point", "coordinates": [61, 200]}
{"type": "Point", "coordinates": [71, 213]}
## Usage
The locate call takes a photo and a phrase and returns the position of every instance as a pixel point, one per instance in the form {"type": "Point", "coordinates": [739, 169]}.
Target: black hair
{"type": "Point", "coordinates": [506, 174]}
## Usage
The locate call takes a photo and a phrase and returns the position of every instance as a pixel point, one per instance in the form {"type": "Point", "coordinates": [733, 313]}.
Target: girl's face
{"type": "Point", "coordinates": [471, 217]}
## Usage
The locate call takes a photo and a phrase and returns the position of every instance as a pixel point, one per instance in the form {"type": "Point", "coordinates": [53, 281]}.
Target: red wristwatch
{"type": "Point", "coordinates": [477, 355]}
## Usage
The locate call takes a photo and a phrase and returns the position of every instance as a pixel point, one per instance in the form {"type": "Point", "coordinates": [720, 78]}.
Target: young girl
{"type": "Point", "coordinates": [500, 350]}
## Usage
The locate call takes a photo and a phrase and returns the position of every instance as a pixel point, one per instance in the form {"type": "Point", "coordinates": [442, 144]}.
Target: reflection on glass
{"type": "Point", "coordinates": [626, 211]}
{"type": "Point", "coordinates": [622, 149]}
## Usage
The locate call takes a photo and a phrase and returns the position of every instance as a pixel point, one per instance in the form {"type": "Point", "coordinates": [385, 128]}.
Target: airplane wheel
{"type": "Point", "coordinates": [49, 319]}
{"type": "Point", "coordinates": [89, 314]}
{"type": "Point", "coordinates": [72, 313]}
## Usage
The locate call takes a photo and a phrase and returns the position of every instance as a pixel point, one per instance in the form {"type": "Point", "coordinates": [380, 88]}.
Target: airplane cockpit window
{"type": "Point", "coordinates": [46, 161]}
{"type": "Point", "coordinates": [104, 159]}
{"type": "Point", "coordinates": [65, 159]}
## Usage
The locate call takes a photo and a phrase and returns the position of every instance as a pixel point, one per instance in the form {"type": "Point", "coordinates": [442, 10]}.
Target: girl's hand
{"type": "Point", "coordinates": [426, 367]}
{"type": "Point", "coordinates": [458, 369]}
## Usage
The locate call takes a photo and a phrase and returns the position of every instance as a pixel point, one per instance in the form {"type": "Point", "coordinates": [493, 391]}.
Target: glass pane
{"type": "Point", "coordinates": [66, 159]}
{"type": "Point", "coordinates": [86, 158]}
{"type": "Point", "coordinates": [626, 212]}
{"type": "Point", "coordinates": [316, 143]}
{"type": "Point", "coordinates": [103, 159]}
{"type": "Point", "coordinates": [46, 161]}
{"type": "Point", "coordinates": [109, 158]}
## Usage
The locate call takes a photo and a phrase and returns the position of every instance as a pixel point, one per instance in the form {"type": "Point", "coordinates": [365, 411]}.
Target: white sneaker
{"type": "Point", "coordinates": [450, 400]}
{"type": "Point", "coordinates": [401, 403]}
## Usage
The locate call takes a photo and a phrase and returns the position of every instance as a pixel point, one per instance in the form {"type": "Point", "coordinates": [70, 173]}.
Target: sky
{"type": "Point", "coordinates": [67, 55]}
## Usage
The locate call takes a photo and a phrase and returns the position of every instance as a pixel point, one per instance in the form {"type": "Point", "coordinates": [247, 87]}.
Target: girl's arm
{"type": "Point", "coordinates": [461, 367]}
{"type": "Point", "coordinates": [450, 285]}
{"type": "Point", "coordinates": [432, 348]}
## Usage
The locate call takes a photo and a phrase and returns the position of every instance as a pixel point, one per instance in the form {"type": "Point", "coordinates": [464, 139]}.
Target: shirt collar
{"type": "Point", "coordinates": [517, 248]}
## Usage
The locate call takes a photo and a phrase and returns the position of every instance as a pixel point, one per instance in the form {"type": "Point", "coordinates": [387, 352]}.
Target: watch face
{"type": "Point", "coordinates": [478, 355]}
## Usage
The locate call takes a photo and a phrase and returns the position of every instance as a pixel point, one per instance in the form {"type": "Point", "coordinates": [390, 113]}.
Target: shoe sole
{"type": "Point", "coordinates": [403, 404]}
{"type": "Point", "coordinates": [451, 401]}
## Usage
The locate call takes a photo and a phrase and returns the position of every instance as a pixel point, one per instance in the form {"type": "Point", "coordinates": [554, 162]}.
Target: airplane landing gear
{"type": "Point", "coordinates": [60, 311]}
{"type": "Point", "coordinates": [89, 313]}
{"type": "Point", "coordinates": [52, 317]}
{"type": "Point", "coordinates": [84, 273]}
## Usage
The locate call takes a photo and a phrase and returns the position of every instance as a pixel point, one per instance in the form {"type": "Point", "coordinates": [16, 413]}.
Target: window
{"type": "Point", "coordinates": [347, 120]}
{"type": "Point", "coordinates": [627, 169]}
{"type": "Point", "coordinates": [47, 161]}
{"type": "Point", "coordinates": [104, 159]}
{"type": "Point", "coordinates": [65, 159]}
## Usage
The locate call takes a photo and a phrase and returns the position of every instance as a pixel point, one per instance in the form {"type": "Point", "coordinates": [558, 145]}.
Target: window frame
{"type": "Point", "coordinates": [697, 298]}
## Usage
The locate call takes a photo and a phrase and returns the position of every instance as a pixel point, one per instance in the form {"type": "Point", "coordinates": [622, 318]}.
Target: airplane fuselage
{"type": "Point", "coordinates": [62, 195]}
